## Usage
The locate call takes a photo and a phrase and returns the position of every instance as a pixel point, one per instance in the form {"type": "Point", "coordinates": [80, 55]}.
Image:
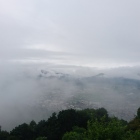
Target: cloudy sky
{"type": "Point", "coordinates": [96, 33]}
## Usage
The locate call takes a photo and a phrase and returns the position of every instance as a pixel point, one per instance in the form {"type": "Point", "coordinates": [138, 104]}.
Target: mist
{"type": "Point", "coordinates": [57, 55]}
{"type": "Point", "coordinates": [34, 91]}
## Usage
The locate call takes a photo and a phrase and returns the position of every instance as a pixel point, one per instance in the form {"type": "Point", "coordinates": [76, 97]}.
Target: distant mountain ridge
{"type": "Point", "coordinates": [52, 74]}
{"type": "Point", "coordinates": [95, 91]}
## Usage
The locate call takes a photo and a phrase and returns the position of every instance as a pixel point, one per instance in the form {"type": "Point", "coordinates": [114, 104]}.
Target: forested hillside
{"type": "Point", "coordinates": [87, 124]}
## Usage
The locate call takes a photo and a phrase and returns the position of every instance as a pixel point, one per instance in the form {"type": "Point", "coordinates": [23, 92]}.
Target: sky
{"type": "Point", "coordinates": [94, 33]}
{"type": "Point", "coordinates": [75, 37]}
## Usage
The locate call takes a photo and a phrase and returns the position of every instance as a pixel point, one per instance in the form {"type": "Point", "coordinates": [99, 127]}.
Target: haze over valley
{"type": "Point", "coordinates": [34, 92]}
{"type": "Point", "coordinates": [78, 54]}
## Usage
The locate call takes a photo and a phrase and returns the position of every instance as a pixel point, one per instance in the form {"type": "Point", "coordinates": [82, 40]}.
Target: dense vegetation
{"type": "Point", "coordinates": [88, 124]}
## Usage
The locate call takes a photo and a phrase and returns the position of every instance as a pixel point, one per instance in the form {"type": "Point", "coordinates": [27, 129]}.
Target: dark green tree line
{"type": "Point", "coordinates": [88, 124]}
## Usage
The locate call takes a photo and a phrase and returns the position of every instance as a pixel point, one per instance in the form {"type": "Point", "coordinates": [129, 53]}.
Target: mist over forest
{"type": "Point", "coordinates": [33, 92]}
{"type": "Point", "coordinates": [76, 54]}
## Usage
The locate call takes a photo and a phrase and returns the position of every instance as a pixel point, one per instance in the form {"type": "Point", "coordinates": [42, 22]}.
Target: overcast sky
{"type": "Point", "coordinates": [94, 33]}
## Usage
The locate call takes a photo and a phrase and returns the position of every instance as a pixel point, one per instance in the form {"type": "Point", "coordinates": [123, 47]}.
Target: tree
{"type": "Point", "coordinates": [99, 130]}
{"type": "Point", "coordinates": [72, 136]}
{"type": "Point", "coordinates": [4, 135]}
{"type": "Point", "coordinates": [40, 128]}
{"type": "Point", "coordinates": [32, 124]}
{"type": "Point", "coordinates": [41, 138]}
{"type": "Point", "coordinates": [23, 132]}
{"type": "Point", "coordinates": [101, 112]}
{"type": "Point", "coordinates": [138, 113]}
{"type": "Point", "coordinates": [13, 138]}
{"type": "Point", "coordinates": [134, 124]}
{"type": "Point", "coordinates": [76, 134]}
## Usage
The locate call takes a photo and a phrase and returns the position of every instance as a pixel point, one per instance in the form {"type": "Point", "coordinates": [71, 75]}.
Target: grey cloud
{"type": "Point", "coordinates": [25, 95]}
{"type": "Point", "coordinates": [106, 31]}
{"type": "Point", "coordinates": [74, 33]}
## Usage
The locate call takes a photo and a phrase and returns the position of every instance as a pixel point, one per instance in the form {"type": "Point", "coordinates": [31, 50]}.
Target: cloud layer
{"type": "Point", "coordinates": [95, 33]}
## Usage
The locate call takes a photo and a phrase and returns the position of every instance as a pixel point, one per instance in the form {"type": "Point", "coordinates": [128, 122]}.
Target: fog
{"type": "Point", "coordinates": [86, 33]}
{"type": "Point", "coordinates": [33, 91]}
{"type": "Point", "coordinates": [63, 54]}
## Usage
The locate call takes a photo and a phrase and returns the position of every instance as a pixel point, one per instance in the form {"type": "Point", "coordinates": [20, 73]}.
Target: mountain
{"type": "Point", "coordinates": [52, 74]}
{"type": "Point", "coordinates": [35, 94]}
{"type": "Point", "coordinates": [120, 96]}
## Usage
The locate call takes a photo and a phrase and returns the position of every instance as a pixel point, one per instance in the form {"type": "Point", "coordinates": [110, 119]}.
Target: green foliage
{"type": "Point", "coordinates": [32, 124]}
{"type": "Point", "coordinates": [101, 112]}
{"type": "Point", "coordinates": [134, 124]}
{"type": "Point", "coordinates": [13, 138]}
{"type": "Point", "coordinates": [138, 113]}
{"type": "Point", "coordinates": [4, 135]}
{"type": "Point", "coordinates": [76, 134]}
{"type": "Point", "coordinates": [84, 116]}
{"type": "Point", "coordinates": [52, 128]}
{"type": "Point", "coordinates": [88, 124]}
{"type": "Point", "coordinates": [41, 138]}
{"type": "Point", "coordinates": [79, 130]}
{"type": "Point", "coordinates": [23, 132]}
{"type": "Point", "coordinates": [137, 135]}
{"type": "Point", "coordinates": [72, 136]}
{"type": "Point", "coordinates": [40, 129]}
{"type": "Point", "coordinates": [99, 130]}
{"type": "Point", "coordinates": [102, 130]}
